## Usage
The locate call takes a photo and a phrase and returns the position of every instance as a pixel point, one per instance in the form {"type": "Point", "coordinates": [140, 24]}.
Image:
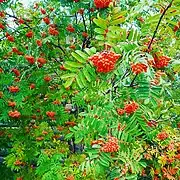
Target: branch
{"type": "Point", "coordinates": [90, 21]}
{"type": "Point", "coordinates": [58, 46]}
{"type": "Point", "coordinates": [84, 22]}
{"type": "Point", "coordinates": [132, 82]}
{"type": "Point", "coordinates": [164, 12]}
{"type": "Point", "coordinates": [13, 16]}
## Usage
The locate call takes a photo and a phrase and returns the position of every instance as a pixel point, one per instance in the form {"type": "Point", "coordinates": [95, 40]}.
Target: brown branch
{"type": "Point", "coordinates": [13, 16]}
{"type": "Point", "coordinates": [160, 19]}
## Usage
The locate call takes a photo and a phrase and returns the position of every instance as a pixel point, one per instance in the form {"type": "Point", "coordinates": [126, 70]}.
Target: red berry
{"type": "Point", "coordinates": [47, 78]}
{"type": "Point", "coordinates": [175, 28]}
{"type": "Point", "coordinates": [84, 34]}
{"type": "Point", "coordinates": [29, 34]}
{"type": "Point", "coordinates": [43, 11]}
{"type": "Point", "coordinates": [39, 43]}
{"type": "Point", "coordinates": [72, 46]}
{"type": "Point", "coordinates": [32, 86]}
{"type": "Point", "coordinates": [2, 26]}
{"type": "Point", "coordinates": [1, 70]}
{"type": "Point", "coordinates": [11, 103]}
{"type": "Point", "coordinates": [81, 11]}
{"type": "Point", "coordinates": [30, 59]}
{"type": "Point", "coordinates": [41, 61]}
{"type": "Point", "coordinates": [21, 21]}
{"type": "Point", "coordinates": [62, 68]}
{"type": "Point", "coordinates": [16, 72]}
{"type": "Point", "coordinates": [2, 14]}
{"type": "Point", "coordinates": [46, 20]}
{"type": "Point", "coordinates": [10, 38]}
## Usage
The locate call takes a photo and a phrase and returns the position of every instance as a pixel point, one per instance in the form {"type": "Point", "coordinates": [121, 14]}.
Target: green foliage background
{"type": "Point", "coordinates": [66, 151]}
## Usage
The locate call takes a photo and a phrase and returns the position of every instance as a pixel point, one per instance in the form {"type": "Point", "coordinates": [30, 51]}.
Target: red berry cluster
{"type": "Point", "coordinates": [53, 31]}
{"type": "Point", "coordinates": [10, 38]}
{"type": "Point", "coordinates": [131, 107]}
{"type": "Point", "coordinates": [102, 3]}
{"type": "Point", "coordinates": [161, 61]}
{"type": "Point", "coordinates": [51, 114]}
{"type": "Point", "coordinates": [104, 61]}
{"type": "Point", "coordinates": [2, 26]}
{"type": "Point", "coordinates": [111, 145]}
{"type": "Point", "coordinates": [14, 114]}
{"type": "Point", "coordinates": [29, 34]}
{"type": "Point", "coordinates": [138, 68]}
{"type": "Point", "coordinates": [162, 136]}
{"type": "Point", "coordinates": [157, 77]}
{"type": "Point", "coordinates": [13, 89]}
{"type": "Point", "coordinates": [30, 59]}
{"type": "Point", "coordinates": [128, 109]}
{"type": "Point", "coordinates": [70, 28]}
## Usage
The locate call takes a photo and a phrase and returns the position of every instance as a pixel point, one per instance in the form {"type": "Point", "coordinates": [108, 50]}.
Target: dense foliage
{"type": "Point", "coordinates": [90, 90]}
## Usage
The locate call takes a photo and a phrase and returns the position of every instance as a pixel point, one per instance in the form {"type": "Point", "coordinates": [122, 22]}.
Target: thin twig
{"type": "Point", "coordinates": [164, 12]}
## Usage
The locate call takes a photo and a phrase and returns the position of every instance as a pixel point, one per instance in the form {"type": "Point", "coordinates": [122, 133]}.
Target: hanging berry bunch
{"type": "Point", "coordinates": [138, 68]}
{"type": "Point", "coordinates": [105, 61]}
{"type": "Point", "coordinates": [129, 108]}
{"type": "Point", "coordinates": [102, 3]}
{"type": "Point", "coordinates": [161, 61]}
{"type": "Point", "coordinates": [111, 145]}
{"type": "Point", "coordinates": [162, 136]}
{"type": "Point", "coordinates": [157, 77]}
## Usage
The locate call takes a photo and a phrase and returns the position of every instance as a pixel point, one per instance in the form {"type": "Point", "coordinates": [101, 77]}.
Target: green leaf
{"type": "Point", "coordinates": [73, 64]}
{"type": "Point", "coordinates": [83, 55]}
{"type": "Point", "coordinates": [82, 77]}
{"type": "Point", "coordinates": [100, 37]}
{"type": "Point", "coordinates": [68, 82]}
{"type": "Point", "coordinates": [90, 51]}
{"type": "Point", "coordinates": [78, 80]}
{"type": "Point", "coordinates": [69, 136]}
{"type": "Point", "coordinates": [78, 139]}
{"type": "Point", "coordinates": [65, 76]}
{"type": "Point", "coordinates": [133, 177]}
{"type": "Point", "coordinates": [117, 21]}
{"type": "Point", "coordinates": [99, 30]}
{"type": "Point", "coordinates": [70, 68]}
{"type": "Point", "coordinates": [87, 75]}
{"type": "Point", "coordinates": [91, 71]}
{"type": "Point", "coordinates": [130, 37]}
{"type": "Point", "coordinates": [78, 57]}
{"type": "Point", "coordinates": [103, 162]}
{"type": "Point", "coordinates": [101, 23]}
